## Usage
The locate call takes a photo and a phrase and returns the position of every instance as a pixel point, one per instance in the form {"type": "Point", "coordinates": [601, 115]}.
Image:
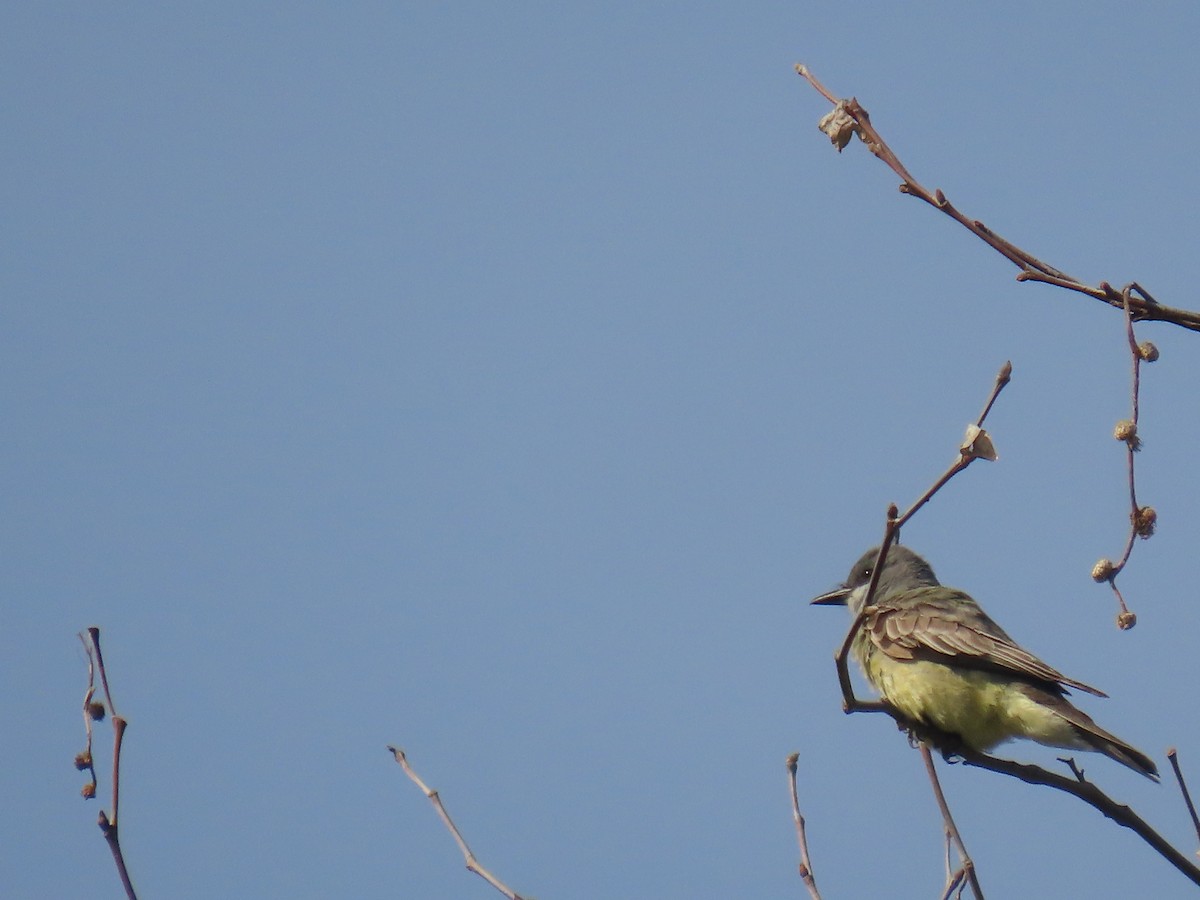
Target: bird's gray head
{"type": "Point", "coordinates": [902, 570]}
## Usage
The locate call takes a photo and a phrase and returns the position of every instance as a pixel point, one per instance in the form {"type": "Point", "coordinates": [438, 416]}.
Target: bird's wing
{"type": "Point", "coordinates": [949, 627]}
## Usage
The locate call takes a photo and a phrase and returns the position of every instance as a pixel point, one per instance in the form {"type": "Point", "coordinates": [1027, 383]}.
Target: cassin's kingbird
{"type": "Point", "coordinates": [936, 656]}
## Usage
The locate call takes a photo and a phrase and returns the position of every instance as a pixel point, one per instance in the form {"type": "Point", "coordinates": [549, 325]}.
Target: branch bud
{"type": "Point", "coordinates": [1126, 431]}
{"type": "Point", "coordinates": [1102, 571]}
{"type": "Point", "coordinates": [1144, 520]}
{"type": "Point", "coordinates": [1147, 351]}
{"type": "Point", "coordinates": [839, 125]}
{"type": "Point", "coordinates": [977, 444]}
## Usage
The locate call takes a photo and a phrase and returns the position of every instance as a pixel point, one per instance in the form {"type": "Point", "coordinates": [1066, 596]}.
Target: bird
{"type": "Point", "coordinates": [940, 660]}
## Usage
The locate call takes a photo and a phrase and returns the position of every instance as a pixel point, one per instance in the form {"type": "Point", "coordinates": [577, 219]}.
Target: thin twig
{"type": "Point", "coordinates": [473, 864]}
{"type": "Point", "coordinates": [976, 445]}
{"type": "Point", "coordinates": [952, 833]}
{"type": "Point", "coordinates": [94, 634]}
{"type": "Point", "coordinates": [1133, 441]}
{"type": "Point", "coordinates": [1069, 762]}
{"type": "Point", "coordinates": [951, 874]}
{"type": "Point", "coordinates": [1031, 268]}
{"type": "Point", "coordinates": [109, 827]}
{"type": "Point", "coordinates": [1141, 518]}
{"type": "Point", "coordinates": [1173, 756]}
{"type": "Point", "coordinates": [1003, 377]}
{"type": "Point", "coordinates": [954, 884]}
{"type": "Point", "coordinates": [805, 868]}
{"type": "Point", "coordinates": [85, 760]}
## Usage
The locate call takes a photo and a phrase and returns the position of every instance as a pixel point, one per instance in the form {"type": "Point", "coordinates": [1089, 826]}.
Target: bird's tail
{"type": "Point", "coordinates": [1109, 744]}
{"type": "Point", "coordinates": [1124, 754]}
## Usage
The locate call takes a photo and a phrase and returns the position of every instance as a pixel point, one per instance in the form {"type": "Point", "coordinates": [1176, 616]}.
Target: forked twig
{"type": "Point", "coordinates": [849, 118]}
{"type": "Point", "coordinates": [91, 710]}
{"type": "Point", "coordinates": [966, 868]}
{"type": "Point", "coordinates": [95, 710]}
{"type": "Point", "coordinates": [469, 857]}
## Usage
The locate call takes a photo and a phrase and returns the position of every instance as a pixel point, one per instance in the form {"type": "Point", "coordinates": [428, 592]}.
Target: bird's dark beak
{"type": "Point", "coordinates": [836, 597]}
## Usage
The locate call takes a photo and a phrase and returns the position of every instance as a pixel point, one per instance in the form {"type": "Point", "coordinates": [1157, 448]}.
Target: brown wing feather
{"type": "Point", "coordinates": [922, 624]}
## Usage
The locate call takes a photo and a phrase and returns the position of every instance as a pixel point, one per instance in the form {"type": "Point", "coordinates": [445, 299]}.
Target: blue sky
{"type": "Point", "coordinates": [500, 382]}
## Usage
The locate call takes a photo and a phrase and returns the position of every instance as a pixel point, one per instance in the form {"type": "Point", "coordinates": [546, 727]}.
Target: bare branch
{"type": "Point", "coordinates": [91, 710]}
{"type": "Point", "coordinates": [953, 749]}
{"type": "Point", "coordinates": [1085, 791]}
{"type": "Point", "coordinates": [94, 634]}
{"type": "Point", "coordinates": [472, 863]}
{"type": "Point", "coordinates": [967, 868]}
{"type": "Point", "coordinates": [1142, 519]}
{"type": "Point", "coordinates": [955, 884]}
{"type": "Point", "coordinates": [1143, 308]}
{"type": "Point", "coordinates": [94, 710]}
{"type": "Point", "coordinates": [1173, 756]}
{"type": "Point", "coordinates": [806, 872]}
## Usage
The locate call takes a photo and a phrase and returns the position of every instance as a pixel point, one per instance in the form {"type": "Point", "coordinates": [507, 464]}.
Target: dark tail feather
{"type": "Point", "coordinates": [1112, 746]}
{"type": "Point", "coordinates": [1124, 754]}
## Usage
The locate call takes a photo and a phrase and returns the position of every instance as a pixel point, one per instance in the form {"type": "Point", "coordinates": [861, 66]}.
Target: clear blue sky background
{"type": "Point", "coordinates": [500, 381]}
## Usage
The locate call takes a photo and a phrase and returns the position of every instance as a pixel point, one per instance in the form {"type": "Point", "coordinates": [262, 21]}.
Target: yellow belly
{"type": "Point", "coordinates": [982, 708]}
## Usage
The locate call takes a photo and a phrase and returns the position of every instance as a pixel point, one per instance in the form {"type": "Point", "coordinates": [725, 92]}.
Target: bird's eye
{"type": "Point", "coordinates": [866, 572]}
